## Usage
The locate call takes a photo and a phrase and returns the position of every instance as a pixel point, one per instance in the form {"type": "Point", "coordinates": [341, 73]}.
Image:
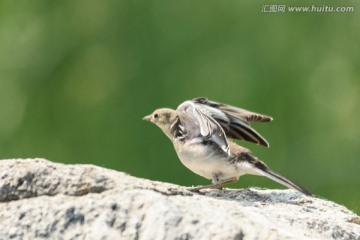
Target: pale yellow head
{"type": "Point", "coordinates": [163, 118]}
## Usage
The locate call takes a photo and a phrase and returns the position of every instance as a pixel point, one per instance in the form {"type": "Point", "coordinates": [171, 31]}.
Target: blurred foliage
{"type": "Point", "coordinates": [76, 78]}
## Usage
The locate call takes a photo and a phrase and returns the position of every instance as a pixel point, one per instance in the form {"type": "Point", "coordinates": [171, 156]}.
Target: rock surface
{"type": "Point", "coordinates": [44, 200]}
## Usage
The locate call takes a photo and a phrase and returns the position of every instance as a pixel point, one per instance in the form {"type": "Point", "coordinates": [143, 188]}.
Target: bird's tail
{"type": "Point", "coordinates": [252, 165]}
{"type": "Point", "coordinates": [284, 181]}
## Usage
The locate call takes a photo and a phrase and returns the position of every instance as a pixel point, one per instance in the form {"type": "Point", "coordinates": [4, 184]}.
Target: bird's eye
{"type": "Point", "coordinates": [156, 115]}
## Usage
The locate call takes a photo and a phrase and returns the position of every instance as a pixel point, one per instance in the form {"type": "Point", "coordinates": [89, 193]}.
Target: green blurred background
{"type": "Point", "coordinates": [76, 78]}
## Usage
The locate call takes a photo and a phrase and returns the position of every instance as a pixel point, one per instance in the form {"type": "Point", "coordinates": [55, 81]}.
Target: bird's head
{"type": "Point", "coordinates": [163, 118]}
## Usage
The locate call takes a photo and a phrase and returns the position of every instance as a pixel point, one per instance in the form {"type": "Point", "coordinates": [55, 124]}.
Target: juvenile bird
{"type": "Point", "coordinates": [199, 130]}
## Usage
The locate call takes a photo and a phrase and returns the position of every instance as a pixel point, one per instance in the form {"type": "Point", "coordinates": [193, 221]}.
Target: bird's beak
{"type": "Point", "coordinates": [147, 118]}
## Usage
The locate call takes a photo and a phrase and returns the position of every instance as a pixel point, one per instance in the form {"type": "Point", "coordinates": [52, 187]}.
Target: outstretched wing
{"type": "Point", "coordinates": [201, 127]}
{"type": "Point", "coordinates": [235, 121]}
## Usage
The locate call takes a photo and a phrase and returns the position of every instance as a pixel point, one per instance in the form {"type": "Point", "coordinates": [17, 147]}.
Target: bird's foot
{"type": "Point", "coordinates": [218, 185]}
{"type": "Point", "coordinates": [196, 189]}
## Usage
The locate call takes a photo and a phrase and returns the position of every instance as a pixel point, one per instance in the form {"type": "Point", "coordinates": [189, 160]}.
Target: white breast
{"type": "Point", "coordinates": [201, 161]}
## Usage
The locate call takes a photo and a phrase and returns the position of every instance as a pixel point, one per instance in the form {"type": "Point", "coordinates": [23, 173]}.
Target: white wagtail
{"type": "Point", "coordinates": [199, 130]}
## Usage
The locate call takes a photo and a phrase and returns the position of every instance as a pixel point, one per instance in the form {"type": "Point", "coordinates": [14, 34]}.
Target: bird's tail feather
{"type": "Point", "coordinates": [284, 181]}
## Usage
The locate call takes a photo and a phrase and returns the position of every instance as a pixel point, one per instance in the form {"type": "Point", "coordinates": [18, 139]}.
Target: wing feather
{"type": "Point", "coordinates": [234, 121]}
{"type": "Point", "coordinates": [194, 120]}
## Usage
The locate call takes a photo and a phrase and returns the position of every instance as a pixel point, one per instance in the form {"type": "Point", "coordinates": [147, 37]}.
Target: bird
{"type": "Point", "coordinates": [202, 132]}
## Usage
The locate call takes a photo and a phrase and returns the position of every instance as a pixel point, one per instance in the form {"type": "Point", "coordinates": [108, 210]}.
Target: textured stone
{"type": "Point", "coordinates": [40, 199]}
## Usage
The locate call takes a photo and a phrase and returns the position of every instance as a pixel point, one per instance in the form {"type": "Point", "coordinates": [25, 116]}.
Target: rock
{"type": "Point", "coordinates": [40, 199]}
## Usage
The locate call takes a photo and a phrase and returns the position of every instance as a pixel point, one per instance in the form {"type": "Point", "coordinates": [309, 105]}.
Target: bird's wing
{"type": "Point", "coordinates": [196, 122]}
{"type": "Point", "coordinates": [235, 121]}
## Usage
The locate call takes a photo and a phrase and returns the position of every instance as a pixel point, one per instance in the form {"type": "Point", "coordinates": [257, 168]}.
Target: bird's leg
{"type": "Point", "coordinates": [214, 185]}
